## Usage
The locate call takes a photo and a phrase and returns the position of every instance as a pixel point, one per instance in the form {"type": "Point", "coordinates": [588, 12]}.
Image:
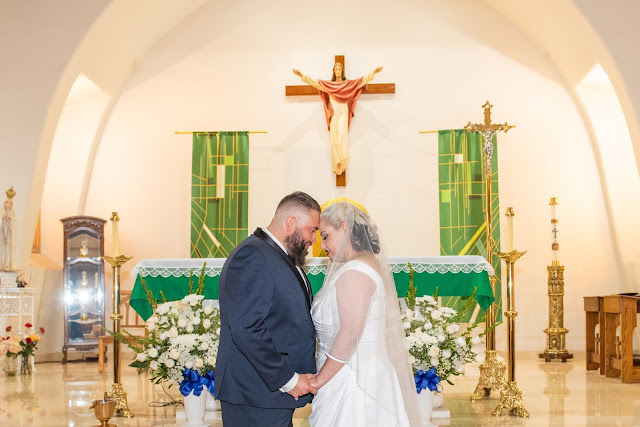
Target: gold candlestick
{"type": "Point", "coordinates": [510, 395]}
{"type": "Point", "coordinates": [117, 392]}
{"type": "Point", "coordinates": [492, 370]}
{"type": "Point", "coordinates": [555, 289]}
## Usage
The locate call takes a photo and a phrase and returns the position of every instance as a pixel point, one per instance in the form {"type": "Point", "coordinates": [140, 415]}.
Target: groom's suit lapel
{"type": "Point", "coordinates": [304, 283]}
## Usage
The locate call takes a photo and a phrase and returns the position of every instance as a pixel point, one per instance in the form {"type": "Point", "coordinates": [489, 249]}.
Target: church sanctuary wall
{"type": "Point", "coordinates": [225, 68]}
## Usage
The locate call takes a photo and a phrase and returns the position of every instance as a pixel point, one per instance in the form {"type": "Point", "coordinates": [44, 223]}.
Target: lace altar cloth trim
{"type": "Point", "coordinates": [315, 266]}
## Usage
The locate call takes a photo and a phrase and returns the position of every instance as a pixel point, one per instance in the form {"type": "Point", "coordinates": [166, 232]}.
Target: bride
{"type": "Point", "coordinates": [364, 376]}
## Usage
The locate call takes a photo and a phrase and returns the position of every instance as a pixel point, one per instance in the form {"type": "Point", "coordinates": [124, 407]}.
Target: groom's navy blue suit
{"type": "Point", "coordinates": [266, 331]}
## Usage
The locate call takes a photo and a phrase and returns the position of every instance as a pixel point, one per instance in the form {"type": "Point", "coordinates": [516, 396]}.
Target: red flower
{"type": "Point", "coordinates": [8, 328]}
{"type": "Point", "coordinates": [28, 325]}
{"type": "Point", "coordinates": [28, 340]}
{"type": "Point", "coordinates": [41, 330]}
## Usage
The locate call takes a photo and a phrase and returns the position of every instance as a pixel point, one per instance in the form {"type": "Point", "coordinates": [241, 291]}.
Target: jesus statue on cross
{"type": "Point", "coordinates": [339, 97]}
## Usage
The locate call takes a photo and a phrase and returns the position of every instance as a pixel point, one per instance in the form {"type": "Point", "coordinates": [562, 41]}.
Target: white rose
{"type": "Point", "coordinates": [453, 328]}
{"type": "Point", "coordinates": [406, 325]}
{"type": "Point", "coordinates": [163, 336]}
{"type": "Point", "coordinates": [188, 364]}
{"type": "Point", "coordinates": [446, 353]}
{"type": "Point", "coordinates": [153, 352]}
{"type": "Point", "coordinates": [173, 332]}
{"type": "Point", "coordinates": [408, 314]}
{"type": "Point", "coordinates": [189, 328]}
{"type": "Point", "coordinates": [199, 363]}
{"type": "Point", "coordinates": [153, 365]}
{"type": "Point", "coordinates": [170, 363]}
{"type": "Point", "coordinates": [441, 338]}
{"type": "Point", "coordinates": [195, 321]}
{"type": "Point", "coordinates": [434, 351]}
{"type": "Point", "coordinates": [204, 346]}
{"type": "Point", "coordinates": [182, 322]}
{"type": "Point", "coordinates": [211, 360]}
{"type": "Point", "coordinates": [412, 360]}
{"type": "Point", "coordinates": [461, 341]}
{"type": "Point", "coordinates": [434, 361]}
{"type": "Point", "coordinates": [206, 323]}
{"type": "Point", "coordinates": [174, 310]}
{"type": "Point", "coordinates": [153, 319]}
{"type": "Point", "coordinates": [436, 314]}
{"type": "Point", "coordinates": [174, 354]}
{"type": "Point", "coordinates": [427, 326]}
{"type": "Point", "coordinates": [164, 308]}
{"type": "Point", "coordinates": [208, 310]}
{"type": "Point", "coordinates": [141, 357]}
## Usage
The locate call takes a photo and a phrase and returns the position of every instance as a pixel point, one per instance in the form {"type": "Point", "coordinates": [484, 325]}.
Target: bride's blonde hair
{"type": "Point", "coordinates": [364, 233]}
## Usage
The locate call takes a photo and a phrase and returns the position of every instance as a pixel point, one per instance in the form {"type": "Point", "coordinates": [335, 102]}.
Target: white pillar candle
{"type": "Point", "coordinates": [508, 238]}
{"type": "Point", "coordinates": [116, 236]}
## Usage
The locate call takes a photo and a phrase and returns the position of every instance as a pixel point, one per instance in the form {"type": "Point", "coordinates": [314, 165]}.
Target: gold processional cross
{"type": "Point", "coordinates": [372, 88]}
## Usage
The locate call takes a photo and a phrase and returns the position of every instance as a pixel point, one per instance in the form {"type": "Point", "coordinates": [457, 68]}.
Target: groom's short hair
{"type": "Point", "coordinates": [298, 199]}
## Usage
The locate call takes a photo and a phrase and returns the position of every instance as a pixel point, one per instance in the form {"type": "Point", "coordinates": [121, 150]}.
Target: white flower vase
{"type": "Point", "coordinates": [212, 404]}
{"type": "Point", "coordinates": [425, 400]}
{"type": "Point", "coordinates": [438, 400]}
{"type": "Point", "coordinates": [194, 408]}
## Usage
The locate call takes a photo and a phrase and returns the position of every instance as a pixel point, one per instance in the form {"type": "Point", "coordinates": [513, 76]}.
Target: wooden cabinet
{"type": "Point", "coordinates": [83, 275]}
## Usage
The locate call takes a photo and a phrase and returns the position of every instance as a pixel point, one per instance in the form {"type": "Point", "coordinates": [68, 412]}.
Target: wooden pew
{"type": "Point", "coordinates": [595, 342]}
{"type": "Point", "coordinates": [620, 310]}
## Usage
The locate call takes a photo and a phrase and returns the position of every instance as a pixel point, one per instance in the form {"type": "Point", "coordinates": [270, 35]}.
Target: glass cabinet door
{"type": "Point", "coordinates": [83, 283]}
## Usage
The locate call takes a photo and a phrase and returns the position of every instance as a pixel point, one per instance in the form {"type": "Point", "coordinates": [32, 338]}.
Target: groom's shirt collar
{"type": "Point", "coordinates": [266, 230]}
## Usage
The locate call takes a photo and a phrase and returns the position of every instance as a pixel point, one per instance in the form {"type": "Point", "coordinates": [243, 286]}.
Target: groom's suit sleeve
{"type": "Point", "coordinates": [249, 290]}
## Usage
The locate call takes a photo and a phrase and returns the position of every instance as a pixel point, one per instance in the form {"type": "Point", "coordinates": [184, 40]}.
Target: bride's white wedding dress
{"type": "Point", "coordinates": [365, 392]}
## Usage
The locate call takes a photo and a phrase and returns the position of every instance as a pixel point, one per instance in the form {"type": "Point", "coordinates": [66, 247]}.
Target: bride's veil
{"type": "Point", "coordinates": [381, 362]}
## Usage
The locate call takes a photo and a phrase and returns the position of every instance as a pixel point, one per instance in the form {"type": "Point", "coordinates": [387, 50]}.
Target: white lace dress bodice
{"type": "Point", "coordinates": [346, 399]}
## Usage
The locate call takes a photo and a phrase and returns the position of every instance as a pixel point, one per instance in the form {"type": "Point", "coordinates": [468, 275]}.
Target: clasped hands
{"type": "Point", "coordinates": [307, 383]}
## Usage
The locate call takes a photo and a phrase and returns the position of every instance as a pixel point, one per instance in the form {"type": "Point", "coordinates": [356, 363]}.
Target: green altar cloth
{"type": "Point", "coordinates": [452, 275]}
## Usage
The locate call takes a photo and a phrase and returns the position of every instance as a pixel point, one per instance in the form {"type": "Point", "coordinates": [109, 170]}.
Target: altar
{"type": "Point", "coordinates": [452, 275]}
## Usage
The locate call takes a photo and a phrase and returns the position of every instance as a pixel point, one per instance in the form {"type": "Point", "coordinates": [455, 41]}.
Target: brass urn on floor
{"type": "Point", "coordinates": [103, 410]}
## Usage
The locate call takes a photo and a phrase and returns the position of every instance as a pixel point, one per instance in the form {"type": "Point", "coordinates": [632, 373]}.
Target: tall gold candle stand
{"type": "Point", "coordinates": [510, 395]}
{"type": "Point", "coordinates": [117, 392]}
{"type": "Point", "coordinates": [492, 371]}
{"type": "Point", "coordinates": [556, 340]}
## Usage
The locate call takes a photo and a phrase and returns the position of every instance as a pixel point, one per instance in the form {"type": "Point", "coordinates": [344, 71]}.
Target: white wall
{"type": "Point", "coordinates": [225, 68]}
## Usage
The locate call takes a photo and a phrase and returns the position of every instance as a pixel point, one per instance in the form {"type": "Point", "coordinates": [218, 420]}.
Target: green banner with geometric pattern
{"type": "Point", "coordinates": [462, 193]}
{"type": "Point", "coordinates": [219, 193]}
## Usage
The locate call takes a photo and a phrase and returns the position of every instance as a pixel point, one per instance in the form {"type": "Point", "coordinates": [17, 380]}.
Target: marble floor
{"type": "Point", "coordinates": [556, 394]}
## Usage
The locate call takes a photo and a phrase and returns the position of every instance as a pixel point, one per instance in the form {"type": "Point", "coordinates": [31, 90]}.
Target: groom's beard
{"type": "Point", "coordinates": [296, 246]}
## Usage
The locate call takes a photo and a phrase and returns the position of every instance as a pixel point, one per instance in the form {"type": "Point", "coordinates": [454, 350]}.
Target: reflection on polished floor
{"type": "Point", "coordinates": [556, 394]}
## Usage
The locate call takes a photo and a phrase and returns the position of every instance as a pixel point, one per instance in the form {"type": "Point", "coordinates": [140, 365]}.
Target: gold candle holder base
{"type": "Point", "coordinates": [511, 401]}
{"type": "Point", "coordinates": [492, 376]}
{"type": "Point", "coordinates": [556, 332]}
{"type": "Point", "coordinates": [118, 394]}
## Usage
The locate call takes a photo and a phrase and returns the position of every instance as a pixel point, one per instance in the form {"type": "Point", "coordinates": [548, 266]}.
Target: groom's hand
{"type": "Point", "coordinates": [302, 387]}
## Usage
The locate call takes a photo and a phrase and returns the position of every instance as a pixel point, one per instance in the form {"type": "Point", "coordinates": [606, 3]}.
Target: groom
{"type": "Point", "coordinates": [267, 338]}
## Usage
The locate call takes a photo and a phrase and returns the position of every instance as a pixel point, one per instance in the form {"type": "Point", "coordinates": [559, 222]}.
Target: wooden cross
{"type": "Point", "coordinates": [372, 88]}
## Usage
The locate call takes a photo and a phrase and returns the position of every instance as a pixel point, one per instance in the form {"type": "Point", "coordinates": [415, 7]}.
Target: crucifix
{"type": "Point", "coordinates": [339, 97]}
{"type": "Point", "coordinates": [492, 371]}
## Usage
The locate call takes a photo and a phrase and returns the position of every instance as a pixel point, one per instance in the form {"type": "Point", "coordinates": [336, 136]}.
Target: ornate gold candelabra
{"type": "Point", "coordinates": [556, 332]}
{"type": "Point", "coordinates": [117, 392]}
{"type": "Point", "coordinates": [492, 371]}
{"type": "Point", "coordinates": [510, 395]}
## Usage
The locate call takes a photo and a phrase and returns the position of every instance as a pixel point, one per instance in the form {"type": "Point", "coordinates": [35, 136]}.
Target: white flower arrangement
{"type": "Point", "coordinates": [183, 335]}
{"type": "Point", "coordinates": [434, 335]}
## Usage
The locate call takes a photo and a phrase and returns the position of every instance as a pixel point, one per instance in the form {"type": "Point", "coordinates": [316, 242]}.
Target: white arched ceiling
{"type": "Point", "coordinates": [115, 35]}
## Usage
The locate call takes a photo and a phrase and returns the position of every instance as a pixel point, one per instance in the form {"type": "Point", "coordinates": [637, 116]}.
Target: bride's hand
{"type": "Point", "coordinates": [313, 382]}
